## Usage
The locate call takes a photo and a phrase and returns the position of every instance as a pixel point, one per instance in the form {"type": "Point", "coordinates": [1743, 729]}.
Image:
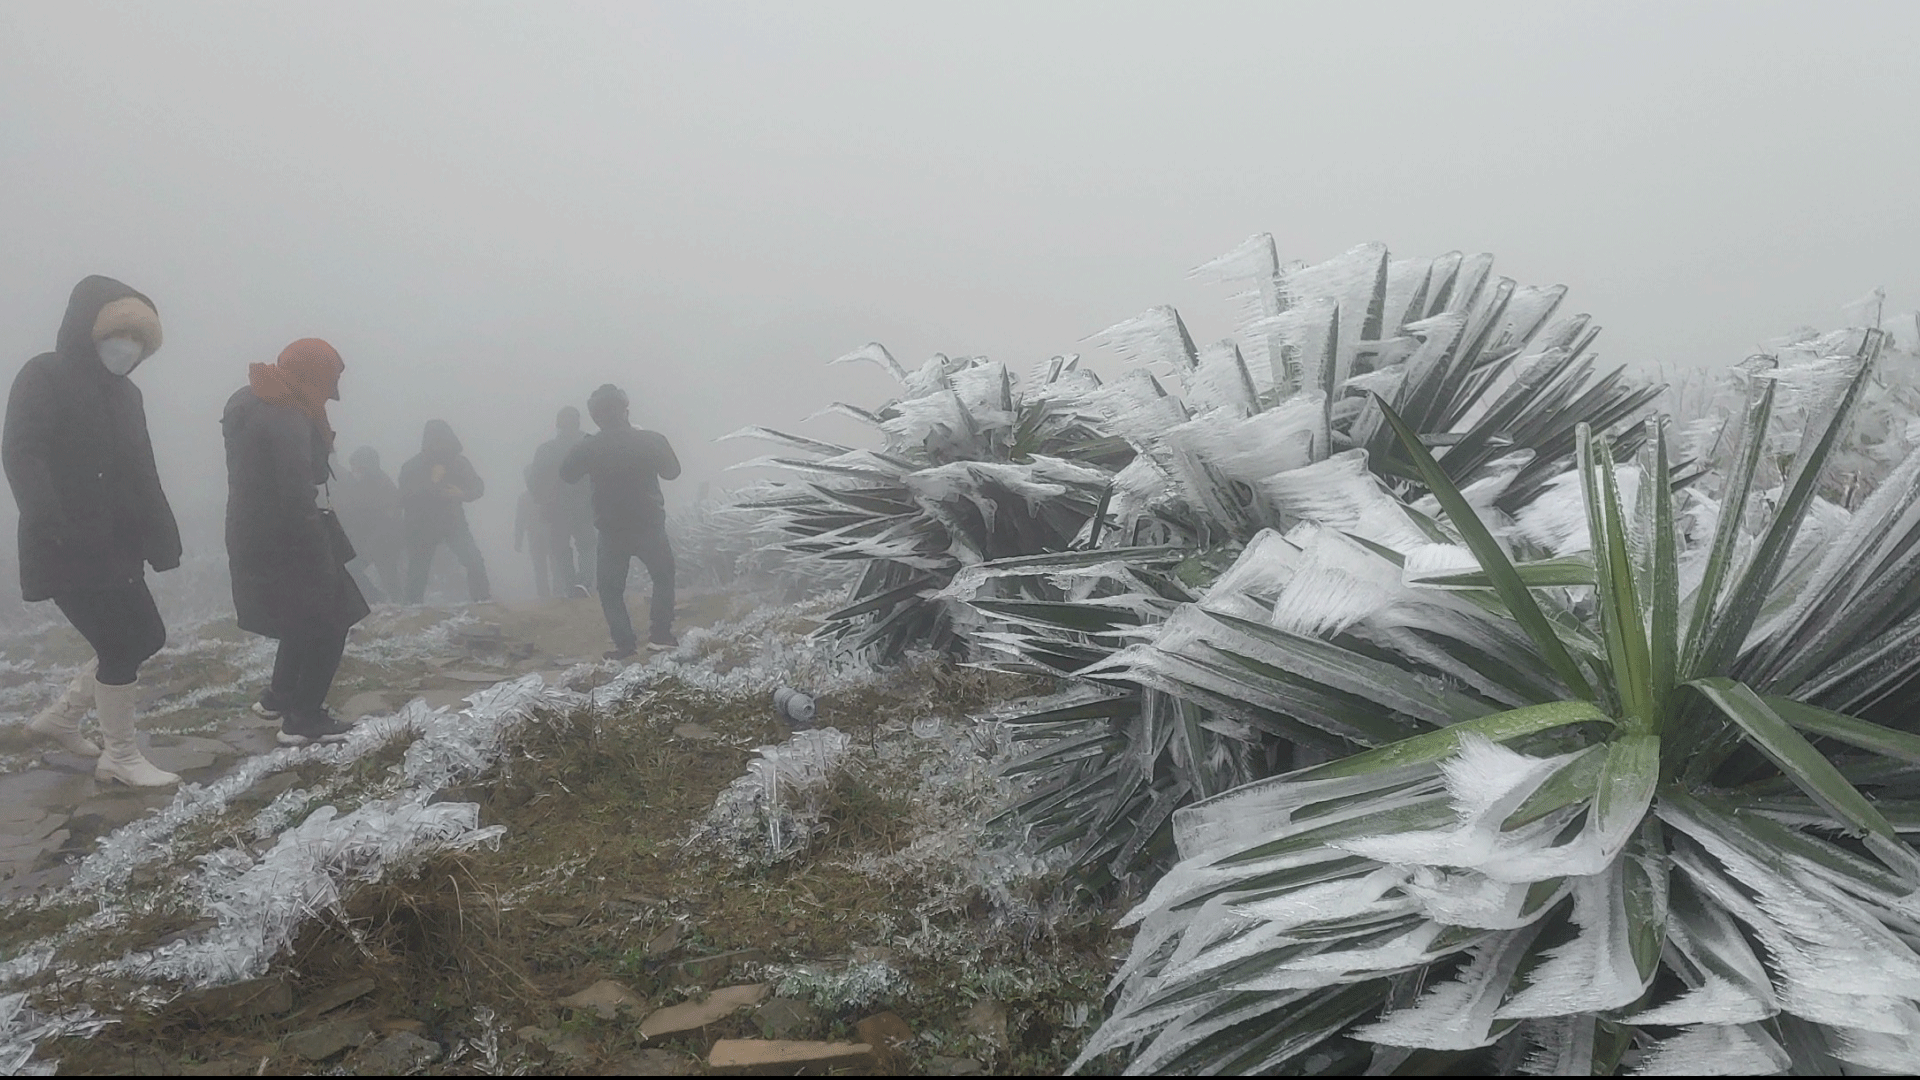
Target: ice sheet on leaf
{"type": "Point", "coordinates": [1557, 519]}
{"type": "Point", "coordinates": [1487, 782]}
{"type": "Point", "coordinates": [1220, 384]}
{"type": "Point", "coordinates": [1341, 493]}
{"type": "Point", "coordinates": [1714, 1001]}
{"type": "Point", "coordinates": [1295, 343]}
{"type": "Point", "coordinates": [1139, 409]}
{"type": "Point", "coordinates": [1595, 972]}
{"type": "Point", "coordinates": [1467, 898]}
{"type": "Point", "coordinates": [1895, 1053]}
{"type": "Point", "coordinates": [1459, 1014]}
{"type": "Point", "coordinates": [940, 422]}
{"type": "Point", "coordinates": [1716, 1050]}
{"type": "Point", "coordinates": [1155, 336]}
{"type": "Point", "coordinates": [1835, 959]}
{"type": "Point", "coordinates": [1486, 489]}
{"type": "Point", "coordinates": [1208, 452]}
{"type": "Point", "coordinates": [22, 1027]}
{"type": "Point", "coordinates": [772, 812]}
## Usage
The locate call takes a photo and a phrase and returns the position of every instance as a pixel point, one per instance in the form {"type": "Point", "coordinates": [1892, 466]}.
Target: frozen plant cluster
{"type": "Point", "coordinates": [772, 813]}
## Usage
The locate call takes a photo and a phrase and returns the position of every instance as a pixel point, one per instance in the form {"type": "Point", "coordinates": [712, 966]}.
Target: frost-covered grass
{"type": "Point", "coordinates": [904, 897]}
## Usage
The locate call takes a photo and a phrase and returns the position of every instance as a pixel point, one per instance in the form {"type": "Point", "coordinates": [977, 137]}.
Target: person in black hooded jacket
{"type": "Point", "coordinates": [289, 566]}
{"type": "Point", "coordinates": [92, 513]}
{"type": "Point", "coordinates": [435, 485]}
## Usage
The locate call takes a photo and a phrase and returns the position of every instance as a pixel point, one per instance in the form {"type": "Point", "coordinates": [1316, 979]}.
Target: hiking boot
{"type": "Point", "coordinates": [319, 726]}
{"type": "Point", "coordinates": [617, 654]}
{"type": "Point", "coordinates": [268, 707]}
{"type": "Point", "coordinates": [662, 644]}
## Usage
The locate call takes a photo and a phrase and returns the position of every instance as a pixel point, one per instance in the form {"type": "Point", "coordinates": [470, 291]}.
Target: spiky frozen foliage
{"type": "Point", "coordinates": [727, 542]}
{"type": "Point", "coordinates": [975, 465]}
{"type": "Point", "coordinates": [1271, 430]}
{"type": "Point", "coordinates": [1481, 366]}
{"type": "Point", "coordinates": [1886, 424]}
{"type": "Point", "coordinates": [1620, 811]}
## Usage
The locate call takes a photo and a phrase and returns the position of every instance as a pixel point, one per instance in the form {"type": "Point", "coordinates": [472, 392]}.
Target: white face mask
{"type": "Point", "coordinates": [119, 354]}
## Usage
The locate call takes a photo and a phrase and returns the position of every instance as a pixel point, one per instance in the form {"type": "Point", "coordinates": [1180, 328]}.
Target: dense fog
{"type": "Point", "coordinates": [490, 209]}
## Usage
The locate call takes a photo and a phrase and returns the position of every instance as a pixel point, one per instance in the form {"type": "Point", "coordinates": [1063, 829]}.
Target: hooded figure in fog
{"type": "Point", "coordinates": [289, 562]}
{"type": "Point", "coordinates": [368, 502]}
{"type": "Point", "coordinates": [624, 466]}
{"type": "Point", "coordinates": [435, 486]}
{"type": "Point", "coordinates": [92, 514]}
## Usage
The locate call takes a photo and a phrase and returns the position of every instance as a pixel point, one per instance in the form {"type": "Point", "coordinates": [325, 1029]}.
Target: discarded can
{"type": "Point", "coordinates": [794, 707]}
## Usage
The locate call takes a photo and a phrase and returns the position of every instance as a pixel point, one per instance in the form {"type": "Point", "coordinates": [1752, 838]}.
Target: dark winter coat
{"type": "Point", "coordinates": [80, 462]}
{"type": "Point", "coordinates": [558, 501]}
{"type": "Point", "coordinates": [288, 580]}
{"type": "Point", "coordinates": [368, 502]}
{"type": "Point", "coordinates": [625, 466]}
{"type": "Point", "coordinates": [436, 484]}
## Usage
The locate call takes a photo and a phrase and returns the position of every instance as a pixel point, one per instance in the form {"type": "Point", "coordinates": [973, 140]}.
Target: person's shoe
{"type": "Point", "coordinates": [618, 654]}
{"type": "Point", "coordinates": [317, 727]}
{"type": "Point", "coordinates": [662, 644]}
{"type": "Point", "coordinates": [60, 721]}
{"type": "Point", "coordinates": [121, 760]}
{"type": "Point", "coordinates": [268, 707]}
{"type": "Point", "coordinates": [578, 592]}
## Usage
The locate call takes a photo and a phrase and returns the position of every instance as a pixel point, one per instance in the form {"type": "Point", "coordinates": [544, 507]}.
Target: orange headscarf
{"type": "Point", "coordinates": [306, 376]}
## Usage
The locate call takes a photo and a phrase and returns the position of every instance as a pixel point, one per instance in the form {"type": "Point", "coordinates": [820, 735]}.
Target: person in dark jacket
{"type": "Point", "coordinates": [566, 511]}
{"type": "Point", "coordinates": [92, 513]}
{"type": "Point", "coordinates": [625, 465]}
{"type": "Point", "coordinates": [530, 535]}
{"type": "Point", "coordinates": [368, 502]}
{"type": "Point", "coordinates": [435, 485]}
{"type": "Point", "coordinates": [289, 564]}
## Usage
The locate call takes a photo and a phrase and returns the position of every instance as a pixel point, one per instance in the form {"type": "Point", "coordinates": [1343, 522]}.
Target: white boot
{"type": "Point", "coordinates": [60, 721]}
{"type": "Point", "coordinates": [122, 759]}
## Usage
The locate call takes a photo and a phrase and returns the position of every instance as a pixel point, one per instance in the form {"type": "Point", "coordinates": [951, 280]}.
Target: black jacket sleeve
{"type": "Point", "coordinates": [665, 461]}
{"type": "Point", "coordinates": [26, 447]}
{"type": "Point", "coordinates": [287, 438]}
{"type": "Point", "coordinates": [574, 465]}
{"type": "Point", "coordinates": [467, 479]}
{"type": "Point", "coordinates": [162, 532]}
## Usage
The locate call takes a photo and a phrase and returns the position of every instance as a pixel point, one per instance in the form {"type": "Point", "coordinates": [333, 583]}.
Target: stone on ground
{"type": "Point", "coordinates": [774, 1057]}
{"type": "Point", "coordinates": [328, 1039]}
{"type": "Point", "coordinates": [335, 996]}
{"type": "Point", "coordinates": [888, 1034]}
{"type": "Point", "coordinates": [396, 1055]}
{"type": "Point", "coordinates": [605, 999]}
{"type": "Point", "coordinates": [783, 1018]}
{"type": "Point", "coordinates": [692, 1015]}
{"type": "Point", "coordinates": [271, 996]}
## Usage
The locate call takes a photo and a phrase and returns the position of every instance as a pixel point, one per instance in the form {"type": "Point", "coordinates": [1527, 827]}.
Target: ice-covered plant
{"type": "Point", "coordinates": [975, 466]}
{"type": "Point", "coordinates": [1480, 365]}
{"type": "Point", "coordinates": [1271, 430]}
{"type": "Point", "coordinates": [1624, 807]}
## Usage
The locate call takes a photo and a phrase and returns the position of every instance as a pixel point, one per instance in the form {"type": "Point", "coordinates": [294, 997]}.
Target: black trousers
{"type": "Point", "coordinates": [616, 557]}
{"type": "Point", "coordinates": [121, 623]}
{"type": "Point", "coordinates": [303, 671]}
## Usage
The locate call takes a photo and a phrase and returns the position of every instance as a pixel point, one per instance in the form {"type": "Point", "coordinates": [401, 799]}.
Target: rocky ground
{"type": "Point", "coordinates": [657, 876]}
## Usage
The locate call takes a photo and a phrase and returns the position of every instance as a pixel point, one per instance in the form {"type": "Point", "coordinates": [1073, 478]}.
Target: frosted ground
{"type": "Point", "coordinates": [847, 871]}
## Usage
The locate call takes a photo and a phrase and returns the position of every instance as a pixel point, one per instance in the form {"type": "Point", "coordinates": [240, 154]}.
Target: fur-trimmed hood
{"type": "Point", "coordinates": [100, 308]}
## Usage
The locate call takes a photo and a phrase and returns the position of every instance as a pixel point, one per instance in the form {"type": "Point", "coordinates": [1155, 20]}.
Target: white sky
{"type": "Point", "coordinates": [491, 209]}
